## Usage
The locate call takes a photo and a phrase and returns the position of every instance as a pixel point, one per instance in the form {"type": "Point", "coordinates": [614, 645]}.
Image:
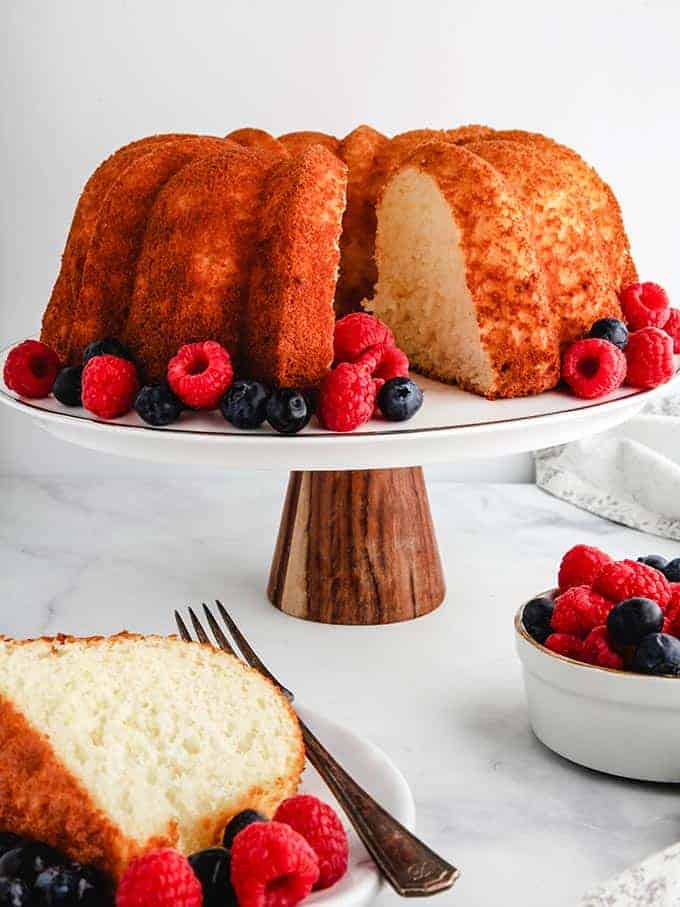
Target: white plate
{"type": "Point", "coordinates": [452, 425]}
{"type": "Point", "coordinates": [382, 779]}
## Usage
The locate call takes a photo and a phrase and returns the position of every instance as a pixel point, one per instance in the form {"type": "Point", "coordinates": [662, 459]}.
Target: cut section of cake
{"type": "Point", "coordinates": [113, 746]}
{"type": "Point", "coordinates": [360, 150]}
{"type": "Point", "coordinates": [459, 280]}
{"type": "Point", "coordinates": [289, 318]}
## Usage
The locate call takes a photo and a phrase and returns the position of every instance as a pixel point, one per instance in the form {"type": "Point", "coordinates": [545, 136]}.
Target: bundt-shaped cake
{"type": "Point", "coordinates": [483, 250]}
{"type": "Point", "coordinates": [113, 746]}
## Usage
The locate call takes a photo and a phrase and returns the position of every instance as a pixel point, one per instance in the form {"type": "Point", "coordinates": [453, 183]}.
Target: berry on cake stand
{"type": "Point", "coordinates": [356, 544]}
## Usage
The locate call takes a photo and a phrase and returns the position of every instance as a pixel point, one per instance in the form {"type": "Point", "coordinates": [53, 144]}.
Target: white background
{"type": "Point", "coordinates": [80, 78]}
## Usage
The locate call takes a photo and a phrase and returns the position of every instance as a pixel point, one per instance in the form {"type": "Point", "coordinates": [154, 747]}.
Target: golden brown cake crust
{"type": "Point", "coordinates": [109, 271]}
{"type": "Point", "coordinates": [358, 274]}
{"type": "Point", "coordinates": [516, 322]}
{"type": "Point", "coordinates": [596, 193]}
{"type": "Point", "coordinates": [289, 321]}
{"type": "Point", "coordinates": [295, 142]}
{"type": "Point", "coordinates": [41, 799]}
{"type": "Point", "coordinates": [566, 238]}
{"type": "Point", "coordinates": [192, 275]}
{"type": "Point", "coordinates": [60, 312]}
{"type": "Point", "coordinates": [470, 133]}
{"type": "Point", "coordinates": [258, 139]}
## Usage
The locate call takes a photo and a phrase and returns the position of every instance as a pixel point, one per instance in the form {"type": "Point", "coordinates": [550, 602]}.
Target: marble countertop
{"type": "Point", "coordinates": [442, 696]}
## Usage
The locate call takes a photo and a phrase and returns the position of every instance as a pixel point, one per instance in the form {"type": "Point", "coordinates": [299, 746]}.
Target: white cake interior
{"type": "Point", "coordinates": [422, 291]}
{"type": "Point", "coordinates": [155, 729]}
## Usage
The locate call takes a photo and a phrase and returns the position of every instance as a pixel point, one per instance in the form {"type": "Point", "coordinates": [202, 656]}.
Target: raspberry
{"type": "Point", "coordinates": [597, 650]}
{"type": "Point", "coordinates": [580, 565]}
{"type": "Point", "coordinates": [161, 878]}
{"type": "Point", "coordinates": [649, 355]}
{"type": "Point", "coordinates": [321, 828]}
{"type": "Point", "coordinates": [565, 644]}
{"type": "Point", "coordinates": [645, 305]}
{"type": "Point", "coordinates": [346, 398]}
{"type": "Point", "coordinates": [671, 622]}
{"type": "Point", "coordinates": [31, 369]}
{"type": "Point", "coordinates": [272, 866]}
{"type": "Point", "coordinates": [200, 373]}
{"type": "Point", "coordinates": [593, 367]}
{"type": "Point", "coordinates": [630, 579]}
{"type": "Point", "coordinates": [384, 363]}
{"type": "Point", "coordinates": [578, 610]}
{"type": "Point", "coordinates": [394, 364]}
{"type": "Point", "coordinates": [355, 333]}
{"type": "Point", "coordinates": [672, 328]}
{"type": "Point", "coordinates": [109, 386]}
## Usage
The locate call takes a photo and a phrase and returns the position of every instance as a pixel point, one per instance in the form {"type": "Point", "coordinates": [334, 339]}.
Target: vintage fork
{"type": "Point", "coordinates": [409, 865]}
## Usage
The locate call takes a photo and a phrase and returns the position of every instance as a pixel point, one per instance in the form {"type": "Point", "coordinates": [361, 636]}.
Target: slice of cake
{"type": "Point", "coordinates": [59, 315]}
{"type": "Point", "coordinates": [459, 280]}
{"type": "Point", "coordinates": [289, 318]}
{"type": "Point", "coordinates": [192, 274]}
{"type": "Point", "coordinates": [109, 270]}
{"type": "Point", "coordinates": [111, 746]}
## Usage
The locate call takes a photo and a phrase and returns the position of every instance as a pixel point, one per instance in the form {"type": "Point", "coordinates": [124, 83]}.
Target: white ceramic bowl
{"type": "Point", "coordinates": [617, 722]}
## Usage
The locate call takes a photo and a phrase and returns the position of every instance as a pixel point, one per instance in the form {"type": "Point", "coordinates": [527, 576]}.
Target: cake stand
{"type": "Point", "coordinates": [356, 544]}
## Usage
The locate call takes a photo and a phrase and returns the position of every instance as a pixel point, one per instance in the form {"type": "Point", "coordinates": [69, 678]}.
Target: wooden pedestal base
{"type": "Point", "coordinates": [356, 547]}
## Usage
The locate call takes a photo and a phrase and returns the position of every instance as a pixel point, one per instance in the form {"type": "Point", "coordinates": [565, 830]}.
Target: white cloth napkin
{"type": "Point", "coordinates": [629, 475]}
{"type": "Point", "coordinates": [653, 883]}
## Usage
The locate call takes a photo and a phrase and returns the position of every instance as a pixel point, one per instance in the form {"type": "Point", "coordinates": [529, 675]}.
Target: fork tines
{"type": "Point", "coordinates": [241, 645]}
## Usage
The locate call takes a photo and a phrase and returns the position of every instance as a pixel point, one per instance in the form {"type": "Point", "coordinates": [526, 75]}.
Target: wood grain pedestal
{"type": "Point", "coordinates": [356, 547]}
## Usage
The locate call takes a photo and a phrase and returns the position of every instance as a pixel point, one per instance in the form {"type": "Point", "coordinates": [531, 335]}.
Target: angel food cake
{"type": "Point", "coordinates": [203, 272]}
{"type": "Point", "coordinates": [500, 246]}
{"type": "Point", "coordinates": [110, 747]}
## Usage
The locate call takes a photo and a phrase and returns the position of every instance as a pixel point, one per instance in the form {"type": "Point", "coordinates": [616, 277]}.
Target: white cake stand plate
{"type": "Point", "coordinates": [356, 543]}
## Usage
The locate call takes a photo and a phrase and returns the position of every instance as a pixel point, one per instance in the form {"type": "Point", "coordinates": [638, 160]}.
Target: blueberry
{"type": "Point", "coordinates": [27, 861]}
{"type": "Point", "coordinates": [633, 619]}
{"type": "Point", "coordinates": [67, 386]}
{"type": "Point", "coordinates": [212, 868]}
{"type": "Point", "coordinates": [157, 405]}
{"type": "Point", "coordinates": [239, 822]}
{"type": "Point", "coordinates": [9, 841]}
{"type": "Point", "coordinates": [288, 411]}
{"type": "Point", "coordinates": [672, 570]}
{"type": "Point", "coordinates": [658, 653]}
{"type": "Point", "coordinates": [536, 618]}
{"type": "Point", "coordinates": [68, 886]}
{"type": "Point", "coordinates": [399, 399]}
{"type": "Point", "coordinates": [539, 632]}
{"type": "Point", "coordinates": [107, 347]}
{"type": "Point", "coordinates": [14, 893]}
{"type": "Point", "coordinates": [655, 561]}
{"type": "Point", "coordinates": [610, 329]}
{"type": "Point", "coordinates": [245, 404]}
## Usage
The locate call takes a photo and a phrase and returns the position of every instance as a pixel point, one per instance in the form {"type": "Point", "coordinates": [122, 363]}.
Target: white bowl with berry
{"type": "Point", "coordinates": [601, 661]}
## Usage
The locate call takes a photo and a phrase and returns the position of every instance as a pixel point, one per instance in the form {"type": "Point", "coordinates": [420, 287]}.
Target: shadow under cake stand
{"type": "Point", "coordinates": [356, 543]}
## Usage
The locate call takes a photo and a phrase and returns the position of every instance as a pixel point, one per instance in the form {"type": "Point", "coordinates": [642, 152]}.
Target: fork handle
{"type": "Point", "coordinates": [411, 868]}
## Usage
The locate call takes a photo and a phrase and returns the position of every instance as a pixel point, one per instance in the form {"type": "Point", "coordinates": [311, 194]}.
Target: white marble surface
{"type": "Point", "coordinates": [443, 695]}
